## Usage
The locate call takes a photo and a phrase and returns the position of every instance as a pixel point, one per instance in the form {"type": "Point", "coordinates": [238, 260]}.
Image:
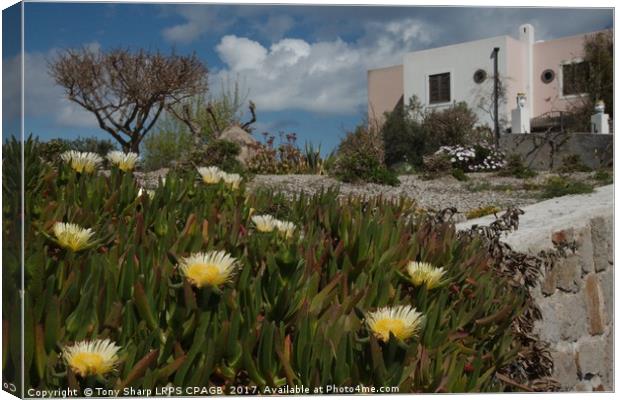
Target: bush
{"type": "Point", "coordinates": [477, 158]}
{"type": "Point", "coordinates": [294, 311]}
{"type": "Point", "coordinates": [411, 133]}
{"type": "Point", "coordinates": [360, 158]}
{"type": "Point", "coordinates": [459, 175]}
{"type": "Point", "coordinates": [452, 126]}
{"type": "Point", "coordinates": [286, 158]}
{"type": "Point", "coordinates": [481, 212]}
{"type": "Point", "coordinates": [603, 177]}
{"type": "Point", "coordinates": [436, 165]}
{"type": "Point", "coordinates": [163, 147]}
{"type": "Point", "coordinates": [557, 186]}
{"type": "Point", "coordinates": [573, 163]}
{"type": "Point", "coordinates": [50, 151]}
{"type": "Point", "coordinates": [515, 167]}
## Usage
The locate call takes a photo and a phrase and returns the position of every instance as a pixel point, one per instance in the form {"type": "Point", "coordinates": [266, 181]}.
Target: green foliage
{"type": "Point", "coordinates": [515, 167]}
{"type": "Point", "coordinates": [313, 158]}
{"type": "Point", "coordinates": [51, 150]}
{"type": "Point", "coordinates": [219, 153]}
{"type": "Point", "coordinates": [573, 163]}
{"type": "Point", "coordinates": [459, 175]}
{"type": "Point", "coordinates": [360, 158]}
{"type": "Point", "coordinates": [164, 146]}
{"type": "Point", "coordinates": [171, 139]}
{"type": "Point", "coordinates": [292, 315]}
{"type": "Point", "coordinates": [482, 211]}
{"type": "Point", "coordinates": [410, 132]}
{"type": "Point", "coordinates": [604, 177]}
{"type": "Point", "coordinates": [286, 158]}
{"type": "Point", "coordinates": [599, 54]}
{"type": "Point", "coordinates": [436, 165]}
{"type": "Point", "coordinates": [557, 186]}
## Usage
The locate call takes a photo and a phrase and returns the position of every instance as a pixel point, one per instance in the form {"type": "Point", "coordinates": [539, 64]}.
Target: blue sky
{"type": "Point", "coordinates": [304, 66]}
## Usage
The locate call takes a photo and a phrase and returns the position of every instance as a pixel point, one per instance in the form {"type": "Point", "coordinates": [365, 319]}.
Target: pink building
{"type": "Point", "coordinates": [544, 71]}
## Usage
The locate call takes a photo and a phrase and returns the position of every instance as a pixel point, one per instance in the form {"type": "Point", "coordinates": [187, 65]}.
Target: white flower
{"type": "Point", "coordinates": [210, 175]}
{"type": "Point", "coordinates": [82, 162]}
{"type": "Point", "coordinates": [124, 162]}
{"type": "Point", "coordinates": [91, 357]}
{"type": "Point", "coordinates": [265, 223]}
{"type": "Point", "coordinates": [72, 236]}
{"type": "Point", "coordinates": [402, 321]}
{"type": "Point", "coordinates": [208, 269]}
{"type": "Point", "coordinates": [232, 180]}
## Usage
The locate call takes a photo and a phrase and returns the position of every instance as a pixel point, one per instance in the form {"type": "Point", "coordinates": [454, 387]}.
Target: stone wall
{"type": "Point", "coordinates": [576, 300]}
{"type": "Point", "coordinates": [546, 151]}
{"type": "Point", "coordinates": [576, 295]}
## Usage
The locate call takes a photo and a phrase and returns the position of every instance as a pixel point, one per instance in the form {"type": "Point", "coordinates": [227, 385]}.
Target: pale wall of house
{"type": "Point", "coordinates": [385, 88]}
{"type": "Point", "coordinates": [516, 78]}
{"type": "Point", "coordinates": [461, 60]}
{"type": "Point", "coordinates": [551, 54]}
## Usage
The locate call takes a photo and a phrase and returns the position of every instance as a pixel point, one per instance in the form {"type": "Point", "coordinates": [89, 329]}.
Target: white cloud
{"type": "Point", "coordinates": [198, 20]}
{"type": "Point", "coordinates": [323, 76]}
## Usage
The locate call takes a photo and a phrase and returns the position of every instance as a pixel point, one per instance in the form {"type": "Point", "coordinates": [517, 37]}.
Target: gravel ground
{"type": "Point", "coordinates": [433, 194]}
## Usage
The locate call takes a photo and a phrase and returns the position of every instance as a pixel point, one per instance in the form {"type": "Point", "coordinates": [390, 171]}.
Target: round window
{"type": "Point", "coordinates": [480, 76]}
{"type": "Point", "coordinates": [547, 76]}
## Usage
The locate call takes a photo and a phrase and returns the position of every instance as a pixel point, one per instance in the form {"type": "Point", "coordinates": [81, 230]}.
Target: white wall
{"type": "Point", "coordinates": [461, 60]}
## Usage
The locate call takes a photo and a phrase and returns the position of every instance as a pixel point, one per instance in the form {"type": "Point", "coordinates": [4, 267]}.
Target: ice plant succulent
{"type": "Point", "coordinates": [210, 175]}
{"type": "Point", "coordinates": [423, 273]}
{"type": "Point", "coordinates": [72, 236]}
{"type": "Point", "coordinates": [403, 322]}
{"type": "Point", "coordinates": [213, 268]}
{"type": "Point", "coordinates": [286, 228]}
{"type": "Point", "coordinates": [82, 162]}
{"type": "Point", "coordinates": [96, 357]}
{"type": "Point", "coordinates": [265, 223]}
{"type": "Point", "coordinates": [124, 161]}
{"type": "Point", "coordinates": [232, 180]}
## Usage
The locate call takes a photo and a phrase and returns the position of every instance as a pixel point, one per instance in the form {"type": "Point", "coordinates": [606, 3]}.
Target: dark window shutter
{"type": "Point", "coordinates": [439, 88]}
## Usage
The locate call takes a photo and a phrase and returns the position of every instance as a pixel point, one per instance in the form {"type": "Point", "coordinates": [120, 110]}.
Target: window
{"type": "Point", "coordinates": [547, 76]}
{"type": "Point", "coordinates": [574, 77]}
{"type": "Point", "coordinates": [439, 88]}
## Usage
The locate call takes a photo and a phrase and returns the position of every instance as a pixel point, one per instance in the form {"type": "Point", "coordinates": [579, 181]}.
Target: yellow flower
{"type": "Point", "coordinates": [87, 357]}
{"type": "Point", "coordinates": [265, 223]}
{"type": "Point", "coordinates": [232, 180]}
{"type": "Point", "coordinates": [125, 162]}
{"type": "Point", "coordinates": [286, 228]}
{"type": "Point", "coordinates": [82, 162]}
{"type": "Point", "coordinates": [210, 175]}
{"type": "Point", "coordinates": [211, 269]}
{"type": "Point", "coordinates": [402, 321]}
{"type": "Point", "coordinates": [423, 273]}
{"type": "Point", "coordinates": [72, 236]}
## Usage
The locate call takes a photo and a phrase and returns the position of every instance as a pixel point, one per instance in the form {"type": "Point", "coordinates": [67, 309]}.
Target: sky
{"type": "Point", "coordinates": [305, 67]}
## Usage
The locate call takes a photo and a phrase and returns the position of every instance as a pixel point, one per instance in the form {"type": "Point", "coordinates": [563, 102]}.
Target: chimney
{"type": "Point", "coordinates": [526, 36]}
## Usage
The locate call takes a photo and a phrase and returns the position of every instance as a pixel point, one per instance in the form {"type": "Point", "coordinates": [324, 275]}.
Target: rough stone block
{"type": "Point", "coordinates": [606, 278]}
{"type": "Point", "coordinates": [595, 305]}
{"type": "Point", "coordinates": [583, 240]}
{"type": "Point", "coordinates": [565, 368]}
{"type": "Point", "coordinates": [568, 273]}
{"type": "Point", "coordinates": [563, 317]}
{"type": "Point", "coordinates": [549, 282]}
{"type": "Point", "coordinates": [594, 356]}
{"type": "Point", "coordinates": [602, 243]}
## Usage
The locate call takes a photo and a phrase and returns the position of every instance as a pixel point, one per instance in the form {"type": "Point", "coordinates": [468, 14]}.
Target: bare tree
{"type": "Point", "coordinates": [127, 91]}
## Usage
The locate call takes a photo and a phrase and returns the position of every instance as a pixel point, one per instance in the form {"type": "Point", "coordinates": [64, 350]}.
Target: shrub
{"type": "Point", "coordinates": [477, 158]}
{"type": "Point", "coordinates": [360, 158]}
{"type": "Point", "coordinates": [163, 147]}
{"type": "Point", "coordinates": [286, 158]}
{"type": "Point", "coordinates": [405, 138]}
{"type": "Point", "coordinates": [603, 177]}
{"type": "Point", "coordinates": [515, 167]}
{"type": "Point", "coordinates": [50, 151]}
{"type": "Point", "coordinates": [573, 163]}
{"type": "Point", "coordinates": [295, 312]}
{"type": "Point", "coordinates": [557, 186]}
{"type": "Point", "coordinates": [452, 126]}
{"type": "Point", "coordinates": [436, 165]}
{"type": "Point", "coordinates": [459, 175]}
{"type": "Point", "coordinates": [481, 212]}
